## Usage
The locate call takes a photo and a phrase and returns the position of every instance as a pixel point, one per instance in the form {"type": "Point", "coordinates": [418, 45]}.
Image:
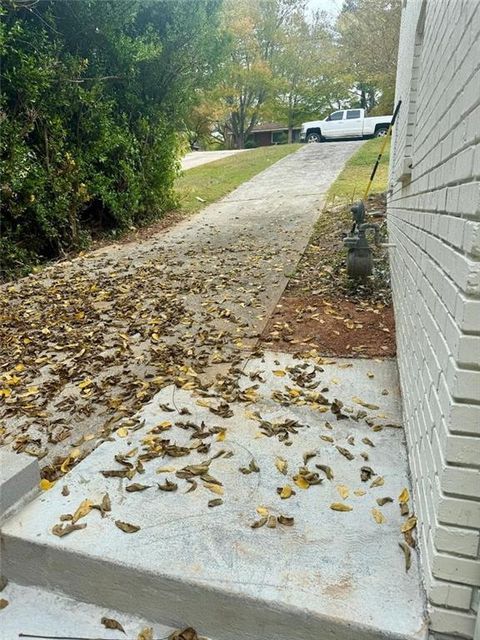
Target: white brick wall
{"type": "Point", "coordinates": [434, 221]}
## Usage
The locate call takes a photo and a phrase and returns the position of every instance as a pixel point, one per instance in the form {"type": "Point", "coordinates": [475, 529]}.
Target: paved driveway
{"type": "Point", "coordinates": [197, 158]}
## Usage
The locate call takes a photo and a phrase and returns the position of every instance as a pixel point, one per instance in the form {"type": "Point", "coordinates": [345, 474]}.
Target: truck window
{"type": "Point", "coordinates": [337, 115]}
{"type": "Point", "coordinates": [353, 114]}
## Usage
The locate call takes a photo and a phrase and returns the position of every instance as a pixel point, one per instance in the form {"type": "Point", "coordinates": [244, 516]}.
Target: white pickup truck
{"type": "Point", "coordinates": [348, 123]}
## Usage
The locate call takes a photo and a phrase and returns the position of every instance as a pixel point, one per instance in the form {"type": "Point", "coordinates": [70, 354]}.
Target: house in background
{"type": "Point", "coordinates": [269, 133]}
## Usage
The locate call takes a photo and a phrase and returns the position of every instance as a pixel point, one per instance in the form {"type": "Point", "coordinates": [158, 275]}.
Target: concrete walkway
{"type": "Point", "coordinates": [180, 313]}
{"type": "Point", "coordinates": [197, 158]}
{"type": "Point", "coordinates": [137, 314]}
{"type": "Point", "coordinates": [329, 574]}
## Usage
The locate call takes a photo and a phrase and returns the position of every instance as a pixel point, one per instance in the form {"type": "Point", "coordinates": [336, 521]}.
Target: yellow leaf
{"type": "Point", "coordinates": [404, 496]}
{"type": "Point", "coordinates": [165, 424]}
{"type": "Point", "coordinates": [85, 383]}
{"type": "Point", "coordinates": [359, 492]}
{"type": "Point", "coordinates": [339, 506]}
{"type": "Point", "coordinates": [122, 432]}
{"type": "Point", "coordinates": [88, 436]}
{"type": "Point", "coordinates": [84, 508]}
{"type": "Point", "coordinates": [214, 488]}
{"type": "Point", "coordinates": [367, 405]}
{"type": "Point", "coordinates": [166, 470]}
{"type": "Point", "coordinates": [300, 482]}
{"type": "Point", "coordinates": [378, 482]}
{"type": "Point", "coordinates": [203, 403]}
{"type": "Point", "coordinates": [262, 511]}
{"type": "Point", "coordinates": [409, 524]}
{"type": "Point", "coordinates": [378, 516]}
{"type": "Point", "coordinates": [286, 492]}
{"type": "Point", "coordinates": [279, 373]}
{"type": "Point", "coordinates": [20, 368]}
{"type": "Point", "coordinates": [281, 465]}
{"type": "Point", "coordinates": [221, 436]}
{"type": "Point", "coordinates": [146, 634]}
{"type": "Point", "coordinates": [343, 490]}
{"type": "Point", "coordinates": [45, 484]}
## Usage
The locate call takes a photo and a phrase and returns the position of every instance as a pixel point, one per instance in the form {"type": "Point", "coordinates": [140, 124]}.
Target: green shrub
{"type": "Point", "coordinates": [92, 96]}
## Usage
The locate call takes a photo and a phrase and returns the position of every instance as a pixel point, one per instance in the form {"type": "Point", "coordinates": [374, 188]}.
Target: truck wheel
{"type": "Point", "coordinates": [381, 133]}
{"type": "Point", "coordinates": [314, 137]}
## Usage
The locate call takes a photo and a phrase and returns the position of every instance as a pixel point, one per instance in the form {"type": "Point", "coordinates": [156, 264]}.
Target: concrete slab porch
{"type": "Point", "coordinates": [331, 575]}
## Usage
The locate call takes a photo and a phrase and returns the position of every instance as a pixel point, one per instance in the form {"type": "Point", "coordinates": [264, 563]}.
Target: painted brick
{"type": "Point", "coordinates": [434, 222]}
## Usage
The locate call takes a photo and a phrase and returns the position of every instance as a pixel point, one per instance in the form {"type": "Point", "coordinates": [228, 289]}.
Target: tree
{"type": "Point", "coordinates": [368, 32]}
{"type": "Point", "coordinates": [255, 30]}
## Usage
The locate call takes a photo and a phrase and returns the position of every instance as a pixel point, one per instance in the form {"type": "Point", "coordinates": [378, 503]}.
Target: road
{"type": "Point", "coordinates": [197, 158]}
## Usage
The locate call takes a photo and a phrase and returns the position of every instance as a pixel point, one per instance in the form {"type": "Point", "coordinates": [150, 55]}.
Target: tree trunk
{"type": "Point", "coordinates": [290, 134]}
{"type": "Point", "coordinates": [239, 141]}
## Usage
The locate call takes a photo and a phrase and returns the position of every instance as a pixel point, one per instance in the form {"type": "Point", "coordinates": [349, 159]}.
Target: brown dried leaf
{"type": "Point", "coordinates": [146, 634]}
{"type": "Point", "coordinates": [216, 502]}
{"type": "Point", "coordinates": [111, 623]}
{"type": "Point", "coordinates": [126, 527]}
{"type": "Point", "coordinates": [3, 603]}
{"type": "Point", "coordinates": [287, 521]}
{"type": "Point", "coordinates": [404, 509]}
{"type": "Point", "coordinates": [65, 491]}
{"type": "Point", "coordinates": [378, 482]}
{"type": "Point", "coordinates": [194, 485]}
{"type": "Point", "coordinates": [271, 522]}
{"type": "Point", "coordinates": [132, 488]}
{"type": "Point", "coordinates": [214, 488]}
{"type": "Point", "coordinates": [366, 473]}
{"type": "Point", "coordinates": [383, 501]}
{"type": "Point", "coordinates": [407, 553]}
{"type": "Point", "coordinates": [168, 485]}
{"type": "Point", "coordinates": [187, 634]}
{"type": "Point", "coordinates": [63, 530]}
{"type": "Point", "coordinates": [368, 441]}
{"type": "Point", "coordinates": [328, 471]}
{"type": "Point", "coordinates": [345, 452]}
{"type": "Point", "coordinates": [259, 523]}
{"type": "Point", "coordinates": [308, 455]}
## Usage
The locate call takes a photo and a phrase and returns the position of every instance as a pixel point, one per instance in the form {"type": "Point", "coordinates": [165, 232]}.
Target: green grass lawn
{"type": "Point", "coordinates": [352, 181]}
{"type": "Point", "coordinates": [212, 181]}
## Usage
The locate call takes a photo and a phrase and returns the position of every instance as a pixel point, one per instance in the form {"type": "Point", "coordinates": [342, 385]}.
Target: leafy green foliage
{"type": "Point", "coordinates": [92, 97]}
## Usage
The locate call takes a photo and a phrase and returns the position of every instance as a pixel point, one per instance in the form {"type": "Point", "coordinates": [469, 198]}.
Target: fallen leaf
{"type": "Point", "coordinates": [132, 488]}
{"type": "Point", "coordinates": [407, 553]}
{"type": "Point", "coordinates": [368, 441]}
{"type": "Point", "coordinates": [146, 634]}
{"type": "Point", "coordinates": [359, 492]}
{"type": "Point", "coordinates": [339, 506]}
{"type": "Point", "coordinates": [83, 509]}
{"type": "Point", "coordinates": [287, 521]}
{"type": "Point", "coordinates": [343, 490]}
{"type": "Point", "coordinates": [409, 524]}
{"type": "Point", "coordinates": [404, 510]}
{"type": "Point", "coordinates": [378, 516]}
{"type": "Point", "coordinates": [301, 482]}
{"type": "Point", "coordinates": [279, 373]}
{"type": "Point", "coordinates": [122, 432]}
{"type": "Point", "coordinates": [383, 501]}
{"type": "Point", "coordinates": [327, 470]}
{"type": "Point", "coordinates": [166, 470]}
{"type": "Point", "coordinates": [367, 405]}
{"type": "Point", "coordinates": [259, 523]}
{"type": "Point", "coordinates": [216, 502]}
{"type": "Point", "coordinates": [63, 530]}
{"type": "Point", "coordinates": [282, 465]}
{"type": "Point", "coordinates": [187, 634]}
{"type": "Point", "coordinates": [378, 482]}
{"type": "Point", "coordinates": [3, 603]}
{"type": "Point", "coordinates": [271, 522]}
{"type": "Point", "coordinates": [221, 436]}
{"type": "Point", "coordinates": [168, 485]}
{"type": "Point", "coordinates": [126, 527]}
{"type": "Point", "coordinates": [214, 488]}
{"type": "Point", "coordinates": [111, 623]}
{"type": "Point", "coordinates": [45, 484]}
{"type": "Point", "coordinates": [285, 492]}
{"type": "Point", "coordinates": [308, 455]}
{"type": "Point", "coordinates": [404, 496]}
{"type": "Point", "coordinates": [65, 491]}
{"type": "Point", "coordinates": [345, 452]}
{"type": "Point", "coordinates": [262, 511]}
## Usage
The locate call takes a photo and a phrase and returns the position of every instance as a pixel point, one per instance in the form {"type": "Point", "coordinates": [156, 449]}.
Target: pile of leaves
{"type": "Point", "coordinates": [93, 94]}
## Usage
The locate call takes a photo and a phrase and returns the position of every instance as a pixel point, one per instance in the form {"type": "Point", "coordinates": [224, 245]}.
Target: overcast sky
{"type": "Point", "coordinates": [332, 6]}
